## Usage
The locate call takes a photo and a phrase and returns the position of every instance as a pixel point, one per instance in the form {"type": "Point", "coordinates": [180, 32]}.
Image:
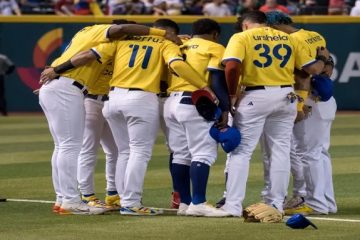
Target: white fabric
{"type": "Point", "coordinates": [133, 117]}
{"type": "Point", "coordinates": [317, 161]}
{"type": "Point", "coordinates": [355, 11]}
{"type": "Point", "coordinates": [297, 168]}
{"type": "Point", "coordinates": [267, 111]}
{"type": "Point", "coordinates": [96, 130]}
{"type": "Point", "coordinates": [214, 10]}
{"type": "Point", "coordinates": [189, 137]}
{"type": "Point", "coordinates": [63, 105]}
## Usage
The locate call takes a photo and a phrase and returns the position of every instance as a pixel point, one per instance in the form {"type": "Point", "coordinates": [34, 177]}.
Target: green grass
{"type": "Point", "coordinates": [25, 150]}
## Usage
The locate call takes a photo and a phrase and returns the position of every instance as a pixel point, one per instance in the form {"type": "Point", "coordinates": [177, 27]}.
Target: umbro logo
{"type": "Point", "coordinates": [250, 104]}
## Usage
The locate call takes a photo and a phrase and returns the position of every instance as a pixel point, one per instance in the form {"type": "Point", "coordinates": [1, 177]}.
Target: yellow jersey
{"type": "Point", "coordinates": [312, 39]}
{"type": "Point", "coordinates": [101, 85]}
{"type": "Point", "coordinates": [202, 55]}
{"type": "Point", "coordinates": [85, 39]}
{"type": "Point", "coordinates": [139, 61]}
{"type": "Point", "coordinates": [268, 56]}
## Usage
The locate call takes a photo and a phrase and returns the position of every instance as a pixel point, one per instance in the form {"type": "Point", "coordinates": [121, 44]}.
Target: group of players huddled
{"type": "Point", "coordinates": [115, 84]}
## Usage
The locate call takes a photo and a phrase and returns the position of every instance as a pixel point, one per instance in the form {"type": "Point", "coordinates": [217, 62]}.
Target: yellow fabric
{"type": "Point", "coordinates": [304, 95]}
{"type": "Point", "coordinates": [311, 39]}
{"type": "Point", "coordinates": [157, 32]}
{"type": "Point", "coordinates": [101, 85]}
{"type": "Point", "coordinates": [268, 56]}
{"type": "Point", "coordinates": [201, 55]}
{"type": "Point", "coordinates": [95, 9]}
{"type": "Point", "coordinates": [186, 72]}
{"type": "Point", "coordinates": [139, 61]}
{"type": "Point", "coordinates": [83, 40]}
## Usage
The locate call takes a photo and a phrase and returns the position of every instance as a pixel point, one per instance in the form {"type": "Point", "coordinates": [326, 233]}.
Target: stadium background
{"type": "Point", "coordinates": [34, 41]}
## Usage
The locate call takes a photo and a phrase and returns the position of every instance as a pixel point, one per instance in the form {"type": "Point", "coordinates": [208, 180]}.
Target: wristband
{"type": "Point", "coordinates": [157, 32]}
{"type": "Point", "coordinates": [302, 96]}
{"type": "Point", "coordinates": [63, 67]}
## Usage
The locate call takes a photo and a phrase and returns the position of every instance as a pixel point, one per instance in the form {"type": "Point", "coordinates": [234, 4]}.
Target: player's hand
{"type": "Point", "coordinates": [36, 91]}
{"type": "Point", "coordinates": [173, 37]}
{"type": "Point", "coordinates": [300, 116]}
{"type": "Point", "coordinates": [307, 111]}
{"type": "Point", "coordinates": [233, 104]}
{"type": "Point", "coordinates": [223, 121]}
{"type": "Point", "coordinates": [321, 51]}
{"type": "Point", "coordinates": [47, 75]}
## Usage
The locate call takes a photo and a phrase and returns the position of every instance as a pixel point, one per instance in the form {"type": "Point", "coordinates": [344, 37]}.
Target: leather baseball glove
{"type": "Point", "coordinates": [261, 212]}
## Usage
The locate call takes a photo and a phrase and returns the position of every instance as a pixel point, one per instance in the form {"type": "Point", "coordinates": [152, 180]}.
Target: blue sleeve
{"type": "Point", "coordinates": [218, 85]}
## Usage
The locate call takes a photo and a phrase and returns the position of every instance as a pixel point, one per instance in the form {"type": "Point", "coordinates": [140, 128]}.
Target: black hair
{"type": "Point", "coordinates": [205, 26]}
{"type": "Point", "coordinates": [254, 17]}
{"type": "Point", "coordinates": [120, 21]}
{"type": "Point", "coordinates": [238, 25]}
{"type": "Point", "coordinates": [167, 23]}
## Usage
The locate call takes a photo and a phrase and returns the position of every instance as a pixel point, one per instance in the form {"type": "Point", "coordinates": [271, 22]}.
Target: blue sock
{"type": "Point", "coordinates": [199, 173]}
{"type": "Point", "coordinates": [171, 173]}
{"type": "Point", "coordinates": [181, 178]}
{"type": "Point", "coordinates": [112, 193]}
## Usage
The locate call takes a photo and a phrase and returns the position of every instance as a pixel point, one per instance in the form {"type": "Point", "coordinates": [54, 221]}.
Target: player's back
{"type": "Point", "coordinates": [140, 61]}
{"type": "Point", "coordinates": [312, 39]}
{"type": "Point", "coordinates": [202, 55]}
{"type": "Point", "coordinates": [269, 58]}
{"type": "Point", "coordinates": [83, 40]}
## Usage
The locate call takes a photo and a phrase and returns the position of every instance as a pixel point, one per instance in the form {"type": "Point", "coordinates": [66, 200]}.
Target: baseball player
{"type": "Point", "coordinates": [62, 101]}
{"type": "Point", "coordinates": [311, 137]}
{"type": "Point", "coordinates": [133, 108]}
{"type": "Point", "coordinates": [266, 67]}
{"type": "Point", "coordinates": [97, 131]}
{"type": "Point", "coordinates": [194, 151]}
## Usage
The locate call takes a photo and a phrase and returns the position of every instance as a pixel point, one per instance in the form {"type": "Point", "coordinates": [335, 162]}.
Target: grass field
{"type": "Point", "coordinates": [25, 150]}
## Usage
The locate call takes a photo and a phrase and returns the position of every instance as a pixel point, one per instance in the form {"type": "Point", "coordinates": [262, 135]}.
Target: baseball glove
{"type": "Point", "coordinates": [261, 212]}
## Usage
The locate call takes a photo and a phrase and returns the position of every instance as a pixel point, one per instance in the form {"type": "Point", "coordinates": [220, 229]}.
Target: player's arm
{"type": "Point", "coordinates": [186, 72]}
{"type": "Point", "coordinates": [118, 31]}
{"type": "Point", "coordinates": [232, 60]}
{"type": "Point", "coordinates": [316, 67]}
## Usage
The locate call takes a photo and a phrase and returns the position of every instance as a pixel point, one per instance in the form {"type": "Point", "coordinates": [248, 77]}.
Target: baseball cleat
{"type": "Point", "coordinates": [113, 202]}
{"type": "Point", "coordinates": [303, 209]}
{"type": "Point", "coordinates": [80, 209]}
{"type": "Point", "coordinates": [175, 200]}
{"type": "Point", "coordinates": [140, 211]}
{"type": "Point", "coordinates": [205, 210]}
{"type": "Point", "coordinates": [220, 203]}
{"type": "Point", "coordinates": [93, 201]}
{"type": "Point", "coordinates": [56, 207]}
{"type": "Point", "coordinates": [182, 209]}
{"type": "Point", "coordinates": [294, 202]}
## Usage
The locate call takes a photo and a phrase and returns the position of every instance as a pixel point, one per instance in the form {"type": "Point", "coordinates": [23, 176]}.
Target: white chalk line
{"type": "Point", "coordinates": [174, 210]}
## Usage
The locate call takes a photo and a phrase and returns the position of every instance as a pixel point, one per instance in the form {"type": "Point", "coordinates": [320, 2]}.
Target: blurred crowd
{"type": "Point", "coordinates": [218, 8]}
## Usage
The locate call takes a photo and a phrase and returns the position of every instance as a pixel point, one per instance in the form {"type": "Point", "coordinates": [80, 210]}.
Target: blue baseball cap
{"type": "Point", "coordinates": [322, 87]}
{"type": "Point", "coordinates": [298, 221]}
{"type": "Point", "coordinates": [229, 138]}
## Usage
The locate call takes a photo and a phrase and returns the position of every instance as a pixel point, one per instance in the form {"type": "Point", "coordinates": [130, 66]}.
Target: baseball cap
{"type": "Point", "coordinates": [298, 221]}
{"type": "Point", "coordinates": [322, 87]}
{"type": "Point", "coordinates": [229, 138]}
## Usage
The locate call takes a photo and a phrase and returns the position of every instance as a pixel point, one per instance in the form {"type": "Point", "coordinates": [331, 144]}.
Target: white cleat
{"type": "Point", "coordinates": [80, 209]}
{"type": "Point", "coordinates": [205, 210]}
{"type": "Point", "coordinates": [182, 209]}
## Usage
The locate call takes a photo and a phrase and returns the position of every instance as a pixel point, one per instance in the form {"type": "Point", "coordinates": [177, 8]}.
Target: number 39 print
{"type": "Point", "coordinates": [280, 51]}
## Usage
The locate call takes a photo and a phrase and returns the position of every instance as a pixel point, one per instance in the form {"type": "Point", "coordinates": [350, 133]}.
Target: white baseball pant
{"type": "Point", "coordinates": [317, 161]}
{"type": "Point", "coordinates": [297, 168]}
{"type": "Point", "coordinates": [189, 137]}
{"type": "Point", "coordinates": [133, 117]}
{"type": "Point", "coordinates": [63, 105]}
{"type": "Point", "coordinates": [97, 131]}
{"type": "Point", "coordinates": [267, 110]}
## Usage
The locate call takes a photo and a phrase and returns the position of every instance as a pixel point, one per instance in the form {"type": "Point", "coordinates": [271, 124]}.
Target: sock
{"type": "Point", "coordinates": [112, 193]}
{"type": "Point", "coordinates": [171, 173]}
{"type": "Point", "coordinates": [89, 195]}
{"type": "Point", "coordinates": [199, 173]}
{"type": "Point", "coordinates": [181, 179]}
